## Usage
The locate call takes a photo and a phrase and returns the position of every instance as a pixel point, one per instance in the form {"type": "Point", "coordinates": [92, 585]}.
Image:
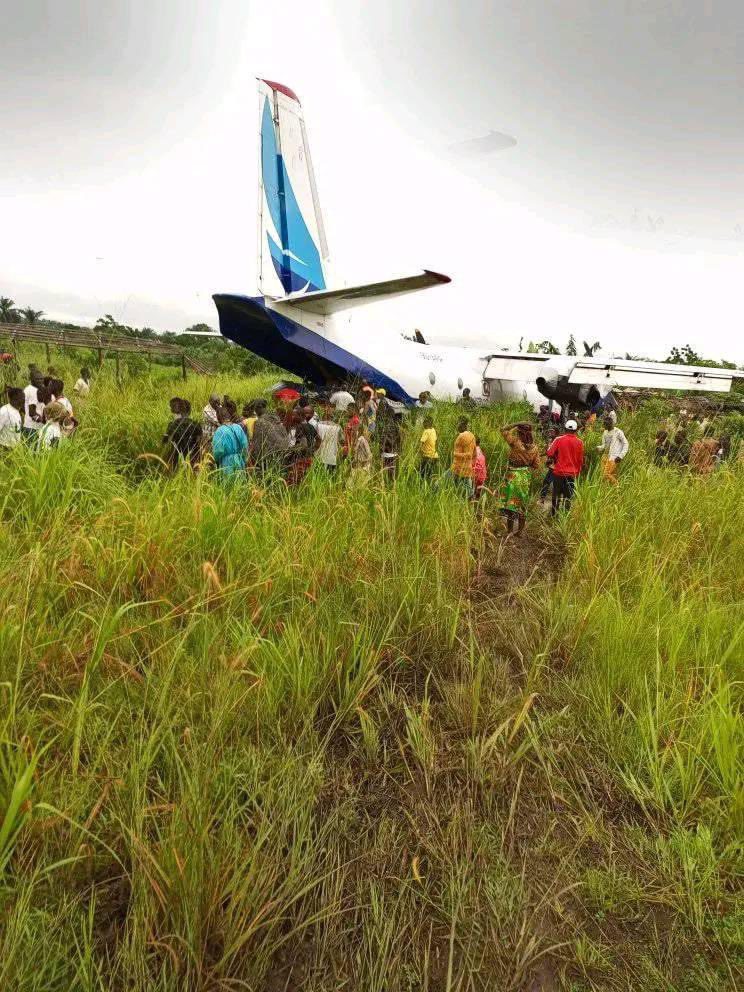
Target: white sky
{"type": "Point", "coordinates": [128, 182]}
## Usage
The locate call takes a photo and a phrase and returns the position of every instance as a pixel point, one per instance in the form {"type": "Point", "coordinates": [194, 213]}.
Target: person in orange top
{"type": "Point", "coordinates": [462, 457]}
{"type": "Point", "coordinates": [703, 455]}
{"type": "Point", "coordinates": [524, 457]}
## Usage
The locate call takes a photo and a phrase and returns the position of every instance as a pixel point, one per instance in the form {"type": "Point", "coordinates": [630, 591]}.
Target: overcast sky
{"type": "Point", "coordinates": [574, 166]}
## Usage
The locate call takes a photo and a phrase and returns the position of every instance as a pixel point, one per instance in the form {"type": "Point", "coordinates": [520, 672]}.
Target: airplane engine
{"type": "Point", "coordinates": [554, 385]}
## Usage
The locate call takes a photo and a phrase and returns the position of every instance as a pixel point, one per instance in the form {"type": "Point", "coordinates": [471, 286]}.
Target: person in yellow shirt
{"type": "Point", "coordinates": [462, 457]}
{"type": "Point", "coordinates": [428, 450]}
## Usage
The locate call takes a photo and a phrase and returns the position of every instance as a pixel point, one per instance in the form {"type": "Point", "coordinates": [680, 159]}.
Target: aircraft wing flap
{"type": "Point", "coordinates": [651, 375]}
{"type": "Point", "coordinates": [331, 301]}
{"type": "Point", "coordinates": [514, 366]}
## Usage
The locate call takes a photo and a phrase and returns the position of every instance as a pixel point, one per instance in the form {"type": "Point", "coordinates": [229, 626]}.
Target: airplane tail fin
{"type": "Point", "coordinates": [292, 251]}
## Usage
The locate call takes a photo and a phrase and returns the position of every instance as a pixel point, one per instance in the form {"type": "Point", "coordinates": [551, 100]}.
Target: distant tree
{"type": "Point", "coordinates": [590, 350]}
{"type": "Point", "coordinates": [8, 312]}
{"type": "Point", "coordinates": [31, 316]}
{"type": "Point", "coordinates": [684, 356]}
{"type": "Point", "coordinates": [198, 329]}
{"type": "Point", "coordinates": [547, 348]}
{"type": "Point", "coordinates": [571, 346]}
{"type": "Point", "coordinates": [110, 323]}
{"type": "Point", "coordinates": [532, 348]}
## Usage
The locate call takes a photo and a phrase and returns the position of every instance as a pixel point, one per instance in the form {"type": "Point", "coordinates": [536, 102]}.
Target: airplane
{"type": "Point", "coordinates": [300, 324]}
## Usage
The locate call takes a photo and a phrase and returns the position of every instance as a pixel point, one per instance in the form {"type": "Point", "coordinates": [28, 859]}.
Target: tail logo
{"type": "Point", "coordinates": [295, 256]}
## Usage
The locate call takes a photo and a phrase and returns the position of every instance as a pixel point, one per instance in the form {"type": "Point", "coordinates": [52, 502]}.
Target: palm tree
{"type": "Point", "coordinates": [8, 312]}
{"type": "Point", "coordinates": [31, 315]}
{"type": "Point", "coordinates": [591, 349]}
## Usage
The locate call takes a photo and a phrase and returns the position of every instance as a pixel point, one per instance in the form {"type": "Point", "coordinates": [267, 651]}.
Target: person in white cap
{"type": "Point", "coordinates": [566, 456]}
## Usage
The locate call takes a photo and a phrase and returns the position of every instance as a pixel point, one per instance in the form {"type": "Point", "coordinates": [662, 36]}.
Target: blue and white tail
{"type": "Point", "coordinates": [292, 251]}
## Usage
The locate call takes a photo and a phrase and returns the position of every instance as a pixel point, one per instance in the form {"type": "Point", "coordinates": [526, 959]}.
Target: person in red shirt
{"type": "Point", "coordinates": [566, 457]}
{"type": "Point", "coordinates": [351, 429]}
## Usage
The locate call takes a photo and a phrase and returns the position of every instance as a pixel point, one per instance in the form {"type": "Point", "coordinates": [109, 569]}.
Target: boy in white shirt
{"type": "Point", "coordinates": [32, 419]}
{"type": "Point", "coordinates": [82, 386]}
{"type": "Point", "coordinates": [10, 418]}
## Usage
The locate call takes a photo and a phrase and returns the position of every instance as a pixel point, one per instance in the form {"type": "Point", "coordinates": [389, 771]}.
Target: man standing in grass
{"type": "Point", "coordinates": [10, 418]}
{"type": "Point", "coordinates": [269, 441]}
{"type": "Point", "coordinates": [428, 450]}
{"type": "Point", "coordinates": [614, 447]}
{"type": "Point", "coordinates": [341, 398]}
{"type": "Point", "coordinates": [329, 433]}
{"type": "Point", "coordinates": [305, 446]}
{"type": "Point", "coordinates": [33, 408]}
{"type": "Point", "coordinates": [462, 457]}
{"type": "Point", "coordinates": [210, 420]}
{"type": "Point", "coordinates": [566, 454]}
{"type": "Point", "coordinates": [182, 439]}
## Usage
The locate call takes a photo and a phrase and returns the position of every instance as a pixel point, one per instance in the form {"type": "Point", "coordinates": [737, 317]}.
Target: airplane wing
{"type": "Point", "coordinates": [612, 372]}
{"type": "Point", "coordinates": [650, 375]}
{"type": "Point", "coordinates": [330, 301]}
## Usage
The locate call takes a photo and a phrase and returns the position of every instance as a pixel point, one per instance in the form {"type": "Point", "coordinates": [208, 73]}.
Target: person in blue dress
{"type": "Point", "coordinates": [229, 446]}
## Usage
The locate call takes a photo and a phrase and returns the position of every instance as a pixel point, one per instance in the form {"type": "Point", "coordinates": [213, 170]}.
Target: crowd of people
{"type": "Point", "coordinates": [358, 433]}
{"type": "Point", "coordinates": [40, 414]}
{"type": "Point", "coordinates": [685, 442]}
{"type": "Point", "coordinates": [355, 434]}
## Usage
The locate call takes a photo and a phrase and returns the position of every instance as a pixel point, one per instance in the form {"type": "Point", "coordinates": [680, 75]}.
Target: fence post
{"type": "Point", "coordinates": [118, 376]}
{"type": "Point", "coordinates": [48, 352]}
{"type": "Point", "coordinates": [183, 367]}
{"type": "Point", "coordinates": [100, 358]}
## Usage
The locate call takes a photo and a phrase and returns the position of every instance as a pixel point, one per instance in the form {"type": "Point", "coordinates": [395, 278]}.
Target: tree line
{"type": "Point", "coordinates": [225, 357]}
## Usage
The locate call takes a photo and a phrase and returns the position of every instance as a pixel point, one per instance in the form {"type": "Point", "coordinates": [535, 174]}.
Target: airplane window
{"type": "Point", "coordinates": [459, 383]}
{"type": "Point", "coordinates": [432, 378]}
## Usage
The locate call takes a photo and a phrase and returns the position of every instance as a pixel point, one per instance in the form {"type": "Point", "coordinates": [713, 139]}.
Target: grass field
{"type": "Point", "coordinates": [352, 740]}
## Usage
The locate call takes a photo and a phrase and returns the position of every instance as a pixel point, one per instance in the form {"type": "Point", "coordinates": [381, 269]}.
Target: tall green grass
{"type": "Point", "coordinates": [262, 738]}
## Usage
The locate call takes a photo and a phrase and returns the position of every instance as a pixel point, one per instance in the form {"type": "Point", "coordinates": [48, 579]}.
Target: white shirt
{"type": "Point", "coordinates": [50, 434]}
{"type": "Point", "coordinates": [64, 402]}
{"type": "Point", "coordinates": [341, 399]}
{"type": "Point", "coordinates": [81, 387]}
{"type": "Point", "coordinates": [614, 444]}
{"type": "Point", "coordinates": [32, 398]}
{"type": "Point", "coordinates": [10, 426]}
{"type": "Point", "coordinates": [329, 435]}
